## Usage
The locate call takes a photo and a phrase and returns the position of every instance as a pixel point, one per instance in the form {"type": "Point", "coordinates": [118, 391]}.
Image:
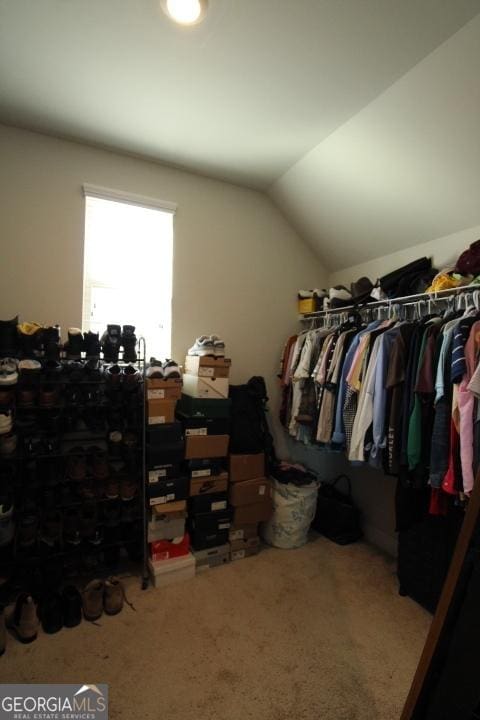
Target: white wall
{"type": "Point", "coordinates": [237, 262]}
{"type": "Point", "coordinates": [444, 252]}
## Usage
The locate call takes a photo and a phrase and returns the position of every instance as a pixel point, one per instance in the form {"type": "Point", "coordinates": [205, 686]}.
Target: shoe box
{"type": "Point", "coordinates": [243, 532]}
{"type": "Point", "coordinates": [203, 425]}
{"type": "Point", "coordinates": [246, 467]}
{"type": "Point", "coordinates": [249, 491]}
{"type": "Point", "coordinates": [211, 529]}
{"type": "Point", "coordinates": [217, 408]}
{"type": "Point", "coordinates": [160, 472]}
{"type": "Point", "coordinates": [307, 305]}
{"type": "Point", "coordinates": [167, 521]}
{"type": "Point", "coordinates": [253, 513]}
{"type": "Point", "coordinates": [212, 484]}
{"type": "Point", "coordinates": [208, 366]}
{"type": "Point", "coordinates": [165, 454]}
{"type": "Point", "coordinates": [211, 557]}
{"type": "Point", "coordinates": [164, 434]}
{"type": "Point", "coordinates": [211, 502]}
{"type": "Point", "coordinates": [208, 388]}
{"type": "Point", "coordinates": [160, 389]}
{"type": "Point", "coordinates": [249, 548]}
{"type": "Point", "coordinates": [169, 490]}
{"type": "Point", "coordinates": [203, 467]}
{"type": "Point", "coordinates": [161, 411]}
{"type": "Point", "coordinates": [168, 572]}
{"type": "Point", "coordinates": [206, 446]}
{"type": "Point", "coordinates": [203, 539]}
{"type": "Point", "coordinates": [253, 542]}
{"type": "Point", "coordinates": [168, 549]}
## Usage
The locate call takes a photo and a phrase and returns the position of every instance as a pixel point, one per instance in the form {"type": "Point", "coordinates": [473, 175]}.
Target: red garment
{"type": "Point", "coordinates": [438, 502]}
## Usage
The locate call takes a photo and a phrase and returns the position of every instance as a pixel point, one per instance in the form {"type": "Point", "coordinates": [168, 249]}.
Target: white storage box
{"type": "Point", "coordinates": [205, 387]}
{"type": "Point", "coordinates": [168, 572]}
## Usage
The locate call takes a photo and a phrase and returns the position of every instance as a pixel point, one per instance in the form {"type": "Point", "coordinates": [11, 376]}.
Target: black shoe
{"type": "Point", "coordinates": [91, 344]}
{"type": "Point", "coordinates": [72, 606]}
{"type": "Point", "coordinates": [71, 527]}
{"type": "Point", "coordinates": [51, 342]}
{"type": "Point", "coordinates": [76, 371]}
{"type": "Point", "coordinates": [27, 530]}
{"type": "Point", "coordinates": [93, 368]}
{"type": "Point", "coordinates": [129, 342]}
{"type": "Point", "coordinates": [9, 337]}
{"type": "Point", "coordinates": [51, 613]}
{"type": "Point", "coordinates": [75, 343]}
{"type": "Point", "coordinates": [111, 343]}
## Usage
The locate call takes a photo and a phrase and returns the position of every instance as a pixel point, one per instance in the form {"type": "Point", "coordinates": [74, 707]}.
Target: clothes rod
{"type": "Point", "coordinates": [437, 295]}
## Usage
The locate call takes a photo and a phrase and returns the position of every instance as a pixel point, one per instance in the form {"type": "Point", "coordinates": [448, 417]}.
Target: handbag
{"type": "Point", "coordinates": [337, 517]}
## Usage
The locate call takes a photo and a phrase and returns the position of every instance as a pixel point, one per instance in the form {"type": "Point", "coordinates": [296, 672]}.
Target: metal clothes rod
{"type": "Point", "coordinates": [439, 294]}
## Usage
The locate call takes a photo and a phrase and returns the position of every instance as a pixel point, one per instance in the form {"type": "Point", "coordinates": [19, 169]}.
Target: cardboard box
{"type": "Point", "coordinates": [212, 484]}
{"type": "Point", "coordinates": [212, 522]}
{"type": "Point", "coordinates": [243, 532]}
{"type": "Point", "coordinates": [165, 491]}
{"type": "Point", "coordinates": [167, 525]}
{"type": "Point", "coordinates": [208, 366]}
{"type": "Point", "coordinates": [247, 467]}
{"type": "Point", "coordinates": [168, 549]}
{"type": "Point", "coordinates": [166, 454]}
{"type": "Point", "coordinates": [249, 491]}
{"type": "Point", "coordinates": [209, 408]}
{"type": "Point", "coordinates": [307, 305]}
{"type": "Point", "coordinates": [212, 557]}
{"type": "Point", "coordinates": [168, 572]}
{"type": "Point", "coordinates": [245, 552]}
{"type": "Point", "coordinates": [164, 434]}
{"type": "Point", "coordinates": [254, 513]}
{"type": "Point", "coordinates": [206, 446]}
{"type": "Point", "coordinates": [158, 389]}
{"type": "Point", "coordinates": [161, 411]}
{"type": "Point", "coordinates": [208, 503]}
{"type": "Point", "coordinates": [172, 508]}
{"type": "Point", "coordinates": [161, 472]}
{"type": "Point", "coordinates": [202, 425]}
{"type": "Point", "coordinates": [203, 539]}
{"type": "Point", "coordinates": [205, 387]}
{"type": "Point", "coordinates": [236, 545]}
{"type": "Point", "coordinates": [204, 467]}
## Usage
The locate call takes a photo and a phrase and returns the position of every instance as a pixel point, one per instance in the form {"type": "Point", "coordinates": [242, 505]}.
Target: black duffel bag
{"type": "Point", "coordinates": [337, 517]}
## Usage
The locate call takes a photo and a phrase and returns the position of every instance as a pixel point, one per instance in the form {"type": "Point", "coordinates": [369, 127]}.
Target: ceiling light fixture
{"type": "Point", "coordinates": [185, 12]}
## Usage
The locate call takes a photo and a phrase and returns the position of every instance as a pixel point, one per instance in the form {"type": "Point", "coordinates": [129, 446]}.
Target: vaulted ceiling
{"type": "Point", "coordinates": [358, 116]}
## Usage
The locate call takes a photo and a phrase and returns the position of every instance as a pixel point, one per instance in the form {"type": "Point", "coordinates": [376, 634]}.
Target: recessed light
{"type": "Point", "coordinates": [185, 12]}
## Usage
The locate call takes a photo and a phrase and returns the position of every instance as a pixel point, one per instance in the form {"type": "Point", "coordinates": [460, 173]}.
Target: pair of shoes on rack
{"type": "Point", "coordinates": [79, 342]}
{"type": "Point", "coordinates": [167, 370]}
{"type": "Point", "coordinates": [128, 376]}
{"type": "Point", "coordinates": [208, 345]}
{"type": "Point", "coordinates": [114, 338]}
{"type": "Point", "coordinates": [8, 372]}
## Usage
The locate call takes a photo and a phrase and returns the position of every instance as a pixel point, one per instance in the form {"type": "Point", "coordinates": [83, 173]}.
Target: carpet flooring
{"type": "Point", "coordinates": [308, 634]}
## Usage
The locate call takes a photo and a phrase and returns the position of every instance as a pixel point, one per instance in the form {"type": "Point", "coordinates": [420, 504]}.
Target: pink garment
{"type": "Point", "coordinates": [466, 401]}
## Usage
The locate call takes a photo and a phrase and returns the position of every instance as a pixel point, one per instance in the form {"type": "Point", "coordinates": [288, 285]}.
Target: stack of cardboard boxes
{"type": "Point", "coordinates": [167, 486]}
{"type": "Point", "coordinates": [250, 497]}
{"type": "Point", "coordinates": [204, 411]}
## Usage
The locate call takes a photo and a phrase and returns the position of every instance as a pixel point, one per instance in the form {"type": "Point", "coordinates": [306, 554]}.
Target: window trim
{"type": "Point", "coordinates": [130, 198]}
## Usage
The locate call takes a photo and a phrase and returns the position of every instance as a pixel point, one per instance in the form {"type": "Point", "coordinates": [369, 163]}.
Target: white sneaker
{"type": "Point", "coordinates": [171, 369]}
{"type": "Point", "coordinates": [8, 371]}
{"type": "Point", "coordinates": [5, 422]}
{"type": "Point", "coordinates": [155, 369]}
{"type": "Point", "coordinates": [218, 346]}
{"type": "Point", "coordinates": [29, 366]}
{"type": "Point", "coordinates": [203, 346]}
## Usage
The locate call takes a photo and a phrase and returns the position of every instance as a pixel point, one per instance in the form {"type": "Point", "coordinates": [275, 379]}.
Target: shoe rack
{"type": "Point", "coordinates": [76, 475]}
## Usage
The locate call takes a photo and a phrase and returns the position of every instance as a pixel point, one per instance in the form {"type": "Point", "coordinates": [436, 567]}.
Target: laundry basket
{"type": "Point", "coordinates": [294, 510]}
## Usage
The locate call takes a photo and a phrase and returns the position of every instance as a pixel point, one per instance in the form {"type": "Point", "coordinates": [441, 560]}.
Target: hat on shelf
{"type": "Point", "coordinates": [469, 261]}
{"type": "Point", "coordinates": [448, 280]}
{"type": "Point", "coordinates": [361, 290]}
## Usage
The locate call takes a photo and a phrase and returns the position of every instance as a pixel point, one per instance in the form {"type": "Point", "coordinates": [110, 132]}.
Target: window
{"type": "Point", "coordinates": [128, 262]}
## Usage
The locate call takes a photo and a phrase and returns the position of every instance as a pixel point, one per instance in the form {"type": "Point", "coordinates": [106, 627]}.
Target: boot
{"type": "Point", "coordinates": [24, 620]}
{"type": "Point", "coordinates": [93, 600]}
{"type": "Point", "coordinates": [113, 596]}
{"type": "Point", "coordinates": [30, 339]}
{"type": "Point", "coordinates": [75, 343]}
{"type": "Point", "coordinates": [92, 345]}
{"type": "Point", "coordinates": [51, 342]}
{"type": "Point", "coordinates": [129, 342]}
{"type": "Point", "coordinates": [8, 337]}
{"type": "Point", "coordinates": [111, 343]}
{"type": "Point", "coordinates": [72, 606]}
{"type": "Point", "coordinates": [51, 613]}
